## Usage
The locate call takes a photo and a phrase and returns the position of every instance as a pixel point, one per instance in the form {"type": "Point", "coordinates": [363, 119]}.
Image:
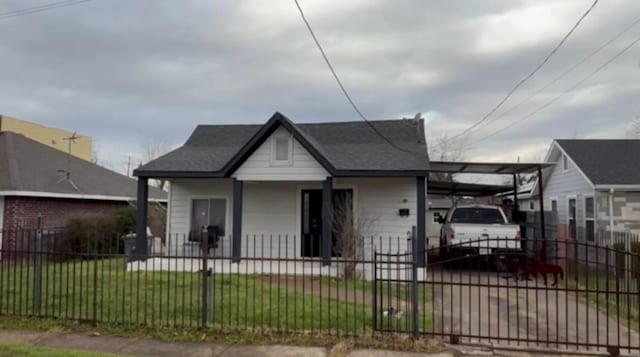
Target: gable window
{"type": "Point", "coordinates": [565, 163]}
{"type": "Point", "coordinates": [281, 150]}
{"type": "Point", "coordinates": [589, 219]}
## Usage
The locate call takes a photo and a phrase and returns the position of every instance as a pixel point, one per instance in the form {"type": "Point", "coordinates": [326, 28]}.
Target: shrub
{"type": "Point", "coordinates": [95, 235]}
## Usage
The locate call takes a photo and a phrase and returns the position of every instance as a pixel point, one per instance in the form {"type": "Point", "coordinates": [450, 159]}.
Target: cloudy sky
{"type": "Point", "coordinates": [125, 71]}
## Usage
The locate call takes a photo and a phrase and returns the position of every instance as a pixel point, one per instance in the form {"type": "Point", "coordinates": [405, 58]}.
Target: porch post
{"type": "Point", "coordinates": [236, 249]}
{"type": "Point", "coordinates": [421, 226]}
{"type": "Point", "coordinates": [141, 218]}
{"type": "Point", "coordinates": [327, 217]}
{"type": "Point", "coordinates": [541, 199]}
{"type": "Point", "coordinates": [516, 205]}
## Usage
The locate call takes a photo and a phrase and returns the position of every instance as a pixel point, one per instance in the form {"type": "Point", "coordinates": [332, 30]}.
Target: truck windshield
{"type": "Point", "coordinates": [477, 215]}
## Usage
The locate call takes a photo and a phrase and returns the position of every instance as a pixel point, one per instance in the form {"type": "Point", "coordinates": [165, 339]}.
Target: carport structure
{"type": "Point", "coordinates": [578, 296]}
{"type": "Point", "coordinates": [487, 168]}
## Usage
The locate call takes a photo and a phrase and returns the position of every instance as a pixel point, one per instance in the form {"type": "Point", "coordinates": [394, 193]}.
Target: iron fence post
{"type": "Point", "coordinates": [37, 283]}
{"type": "Point", "coordinates": [205, 272]}
{"type": "Point", "coordinates": [95, 279]}
{"type": "Point", "coordinates": [414, 287]}
{"type": "Point", "coordinates": [375, 290]}
{"type": "Point", "coordinates": [627, 259]}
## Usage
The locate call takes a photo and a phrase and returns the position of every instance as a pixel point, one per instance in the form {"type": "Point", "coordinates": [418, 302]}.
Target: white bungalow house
{"type": "Point", "coordinates": [594, 185]}
{"type": "Point", "coordinates": [274, 186]}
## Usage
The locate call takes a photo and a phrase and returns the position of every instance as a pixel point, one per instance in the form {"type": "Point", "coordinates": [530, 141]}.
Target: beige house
{"type": "Point", "coordinates": [80, 146]}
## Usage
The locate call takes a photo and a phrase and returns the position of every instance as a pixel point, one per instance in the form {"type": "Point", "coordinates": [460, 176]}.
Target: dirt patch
{"type": "Point", "coordinates": [313, 285]}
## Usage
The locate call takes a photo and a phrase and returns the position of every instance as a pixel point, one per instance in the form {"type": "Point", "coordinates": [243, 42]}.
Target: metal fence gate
{"type": "Point", "coordinates": [557, 294]}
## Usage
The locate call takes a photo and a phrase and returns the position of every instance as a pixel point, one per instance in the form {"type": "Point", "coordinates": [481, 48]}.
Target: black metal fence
{"type": "Point", "coordinates": [188, 281]}
{"type": "Point", "coordinates": [548, 294]}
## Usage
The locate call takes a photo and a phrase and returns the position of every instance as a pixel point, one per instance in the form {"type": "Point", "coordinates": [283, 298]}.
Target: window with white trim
{"type": "Point", "coordinates": [565, 163]}
{"type": "Point", "coordinates": [281, 150]}
{"type": "Point", "coordinates": [589, 219]}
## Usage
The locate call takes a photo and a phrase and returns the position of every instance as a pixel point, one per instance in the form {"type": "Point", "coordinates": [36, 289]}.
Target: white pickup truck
{"type": "Point", "coordinates": [477, 229]}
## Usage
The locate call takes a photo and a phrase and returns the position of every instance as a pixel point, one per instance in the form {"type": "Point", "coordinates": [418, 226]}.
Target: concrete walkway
{"type": "Point", "coordinates": [149, 347]}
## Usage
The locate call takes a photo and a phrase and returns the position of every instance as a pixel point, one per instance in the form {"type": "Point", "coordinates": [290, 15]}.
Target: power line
{"type": "Point", "coordinates": [40, 8]}
{"type": "Point", "coordinates": [342, 88]}
{"type": "Point", "coordinates": [526, 78]}
{"type": "Point", "coordinates": [570, 69]}
{"type": "Point", "coordinates": [573, 87]}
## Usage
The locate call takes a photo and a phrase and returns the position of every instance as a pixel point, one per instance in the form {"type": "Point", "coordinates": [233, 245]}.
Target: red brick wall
{"type": "Point", "coordinates": [21, 217]}
{"type": "Point", "coordinates": [23, 212]}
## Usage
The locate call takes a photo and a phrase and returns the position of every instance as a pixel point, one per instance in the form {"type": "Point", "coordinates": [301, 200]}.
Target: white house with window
{"type": "Point", "coordinates": [595, 185]}
{"type": "Point", "coordinates": [277, 189]}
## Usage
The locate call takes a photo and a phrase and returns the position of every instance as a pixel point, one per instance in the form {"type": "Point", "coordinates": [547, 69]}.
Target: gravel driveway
{"type": "Point", "coordinates": [524, 310]}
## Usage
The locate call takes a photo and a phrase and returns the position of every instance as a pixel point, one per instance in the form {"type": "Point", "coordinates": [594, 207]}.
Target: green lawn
{"type": "Point", "coordinates": [13, 350]}
{"type": "Point", "coordinates": [625, 305]}
{"type": "Point", "coordinates": [104, 292]}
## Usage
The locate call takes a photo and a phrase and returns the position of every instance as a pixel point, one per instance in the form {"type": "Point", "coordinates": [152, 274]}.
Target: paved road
{"type": "Point", "coordinates": [508, 309]}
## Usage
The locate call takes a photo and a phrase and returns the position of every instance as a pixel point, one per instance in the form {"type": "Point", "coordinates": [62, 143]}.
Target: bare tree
{"type": "Point", "coordinates": [442, 148]}
{"type": "Point", "coordinates": [350, 236]}
{"type": "Point", "coordinates": [152, 149]}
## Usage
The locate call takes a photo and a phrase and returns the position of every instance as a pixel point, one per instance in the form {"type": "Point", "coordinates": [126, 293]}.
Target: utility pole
{"type": "Point", "coordinates": [128, 165]}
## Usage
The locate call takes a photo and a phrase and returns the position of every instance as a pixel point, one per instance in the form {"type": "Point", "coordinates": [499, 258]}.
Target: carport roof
{"type": "Point", "coordinates": [448, 188]}
{"type": "Point", "coordinates": [501, 168]}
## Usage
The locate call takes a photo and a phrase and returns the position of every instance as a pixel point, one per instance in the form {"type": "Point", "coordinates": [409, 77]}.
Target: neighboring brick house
{"type": "Point", "coordinates": [44, 187]}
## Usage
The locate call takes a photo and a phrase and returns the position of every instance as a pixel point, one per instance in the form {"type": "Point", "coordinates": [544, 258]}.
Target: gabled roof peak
{"type": "Point", "coordinates": [342, 148]}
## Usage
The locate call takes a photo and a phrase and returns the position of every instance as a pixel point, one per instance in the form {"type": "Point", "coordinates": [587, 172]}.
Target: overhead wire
{"type": "Point", "coordinates": [40, 8]}
{"type": "Point", "coordinates": [570, 69]}
{"type": "Point", "coordinates": [342, 87]}
{"type": "Point", "coordinates": [573, 87]}
{"type": "Point", "coordinates": [528, 76]}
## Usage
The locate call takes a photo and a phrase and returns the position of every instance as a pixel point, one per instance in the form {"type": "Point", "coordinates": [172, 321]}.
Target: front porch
{"type": "Point", "coordinates": [287, 219]}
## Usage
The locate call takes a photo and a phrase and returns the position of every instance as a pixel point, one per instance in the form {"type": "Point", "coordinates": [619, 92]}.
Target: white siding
{"type": "Point", "coordinates": [258, 166]}
{"type": "Point", "coordinates": [271, 211]}
{"type": "Point", "coordinates": [562, 185]}
{"type": "Point", "coordinates": [378, 202]}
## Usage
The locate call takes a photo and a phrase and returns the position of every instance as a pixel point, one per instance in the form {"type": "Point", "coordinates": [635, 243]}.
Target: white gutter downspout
{"type": "Point", "coordinates": [611, 192]}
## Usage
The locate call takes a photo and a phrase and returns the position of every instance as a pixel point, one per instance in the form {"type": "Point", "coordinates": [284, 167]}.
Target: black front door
{"type": "Point", "coordinates": [312, 219]}
{"type": "Point", "coordinates": [311, 223]}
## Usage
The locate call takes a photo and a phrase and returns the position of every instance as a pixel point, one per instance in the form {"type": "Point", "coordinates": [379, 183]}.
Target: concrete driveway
{"type": "Point", "coordinates": [506, 309]}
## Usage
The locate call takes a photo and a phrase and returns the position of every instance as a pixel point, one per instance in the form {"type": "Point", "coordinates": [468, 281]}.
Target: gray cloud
{"type": "Point", "coordinates": [124, 71]}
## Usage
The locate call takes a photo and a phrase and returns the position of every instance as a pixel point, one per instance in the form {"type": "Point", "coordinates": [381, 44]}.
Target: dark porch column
{"type": "Point", "coordinates": [421, 225]}
{"type": "Point", "coordinates": [327, 217]}
{"type": "Point", "coordinates": [141, 217]}
{"type": "Point", "coordinates": [516, 204]}
{"type": "Point", "coordinates": [236, 249]}
{"type": "Point", "coordinates": [541, 199]}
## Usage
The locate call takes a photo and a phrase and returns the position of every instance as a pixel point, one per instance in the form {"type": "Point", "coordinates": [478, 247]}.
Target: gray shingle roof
{"type": "Point", "coordinates": [606, 161]}
{"type": "Point", "coordinates": [215, 149]}
{"type": "Point", "coordinates": [27, 165]}
{"type": "Point", "coordinates": [208, 149]}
